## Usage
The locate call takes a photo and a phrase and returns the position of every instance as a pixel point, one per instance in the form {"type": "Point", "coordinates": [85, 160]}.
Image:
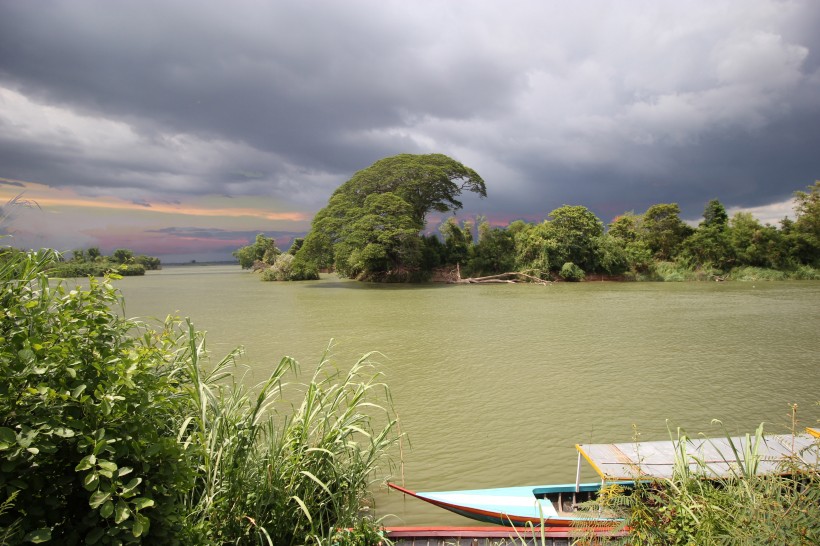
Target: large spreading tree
{"type": "Point", "coordinates": [371, 224]}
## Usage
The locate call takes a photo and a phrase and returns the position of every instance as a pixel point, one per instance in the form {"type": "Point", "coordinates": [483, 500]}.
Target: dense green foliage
{"type": "Point", "coordinates": [91, 263]}
{"type": "Point", "coordinates": [742, 508]}
{"type": "Point", "coordinates": [111, 432]}
{"type": "Point", "coordinates": [370, 228]}
{"type": "Point", "coordinates": [263, 250]}
{"type": "Point", "coordinates": [263, 255]}
{"type": "Point", "coordinates": [656, 245]}
{"type": "Point", "coordinates": [72, 379]}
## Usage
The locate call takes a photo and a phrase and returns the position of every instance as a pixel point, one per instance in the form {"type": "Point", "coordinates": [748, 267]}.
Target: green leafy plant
{"type": "Point", "coordinates": [112, 432]}
{"type": "Point", "coordinates": [571, 272]}
{"type": "Point", "coordinates": [72, 378]}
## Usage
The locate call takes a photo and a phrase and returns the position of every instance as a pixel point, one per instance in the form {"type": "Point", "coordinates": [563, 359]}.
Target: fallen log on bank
{"type": "Point", "coordinates": [510, 278]}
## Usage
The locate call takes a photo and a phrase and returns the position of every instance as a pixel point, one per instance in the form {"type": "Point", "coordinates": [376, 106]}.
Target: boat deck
{"type": "Point", "coordinates": [486, 536]}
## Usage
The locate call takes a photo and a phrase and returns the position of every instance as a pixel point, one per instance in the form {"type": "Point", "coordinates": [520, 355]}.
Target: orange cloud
{"type": "Point", "coordinates": [46, 196]}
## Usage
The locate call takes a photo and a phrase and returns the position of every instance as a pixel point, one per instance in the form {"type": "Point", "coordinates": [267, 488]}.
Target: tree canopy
{"type": "Point", "coordinates": [371, 223]}
{"type": "Point", "coordinates": [370, 230]}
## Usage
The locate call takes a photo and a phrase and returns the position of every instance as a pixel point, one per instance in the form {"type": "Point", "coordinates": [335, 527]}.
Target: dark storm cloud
{"type": "Point", "coordinates": [608, 104]}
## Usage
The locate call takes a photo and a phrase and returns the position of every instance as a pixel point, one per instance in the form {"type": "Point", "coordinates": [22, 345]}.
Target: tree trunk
{"type": "Point", "coordinates": [511, 277]}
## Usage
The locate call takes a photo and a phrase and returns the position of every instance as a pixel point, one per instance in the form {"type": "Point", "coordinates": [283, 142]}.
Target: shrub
{"type": "Point", "coordinates": [111, 433]}
{"type": "Point", "coordinates": [303, 270]}
{"type": "Point", "coordinates": [65, 270]}
{"type": "Point", "coordinates": [571, 272]}
{"type": "Point", "coordinates": [281, 270]}
{"type": "Point", "coordinates": [290, 268]}
{"type": "Point", "coordinates": [806, 273]}
{"type": "Point", "coordinates": [130, 270]}
{"type": "Point", "coordinates": [674, 272]}
{"type": "Point", "coordinates": [151, 263]}
{"type": "Point", "coordinates": [122, 255]}
{"type": "Point", "coordinates": [756, 274]}
{"type": "Point", "coordinates": [72, 380]}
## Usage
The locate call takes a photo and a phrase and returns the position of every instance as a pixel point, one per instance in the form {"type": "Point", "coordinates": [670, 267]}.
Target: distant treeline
{"type": "Point", "coordinates": [373, 229]}
{"type": "Point", "coordinates": [574, 244]}
{"type": "Point", "coordinates": [92, 263]}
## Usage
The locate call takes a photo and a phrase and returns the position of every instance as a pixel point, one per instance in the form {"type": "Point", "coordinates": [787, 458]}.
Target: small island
{"type": "Point", "coordinates": [92, 263]}
{"type": "Point", "coordinates": [373, 229]}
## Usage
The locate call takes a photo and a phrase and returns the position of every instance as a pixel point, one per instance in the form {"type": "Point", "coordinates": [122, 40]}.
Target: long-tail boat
{"type": "Point", "coordinates": [624, 464]}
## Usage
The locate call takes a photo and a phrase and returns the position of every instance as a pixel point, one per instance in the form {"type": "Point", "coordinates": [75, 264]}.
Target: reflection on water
{"type": "Point", "coordinates": [495, 384]}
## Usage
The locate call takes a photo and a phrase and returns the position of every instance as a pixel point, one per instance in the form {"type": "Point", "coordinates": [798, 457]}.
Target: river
{"type": "Point", "coordinates": [494, 384]}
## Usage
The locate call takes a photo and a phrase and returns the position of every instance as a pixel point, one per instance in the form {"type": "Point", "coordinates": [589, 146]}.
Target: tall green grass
{"type": "Point", "coordinates": [276, 473]}
{"type": "Point", "coordinates": [272, 472]}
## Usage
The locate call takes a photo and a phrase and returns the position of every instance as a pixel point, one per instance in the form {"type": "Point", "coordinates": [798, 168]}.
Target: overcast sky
{"type": "Point", "coordinates": [181, 129]}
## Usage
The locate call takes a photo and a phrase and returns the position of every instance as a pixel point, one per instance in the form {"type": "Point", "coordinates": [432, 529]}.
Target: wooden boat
{"type": "Point", "coordinates": [625, 464]}
{"type": "Point", "coordinates": [550, 505]}
{"type": "Point", "coordinates": [494, 536]}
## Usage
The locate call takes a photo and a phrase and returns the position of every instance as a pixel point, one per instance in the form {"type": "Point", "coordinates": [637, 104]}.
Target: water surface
{"type": "Point", "coordinates": [494, 384]}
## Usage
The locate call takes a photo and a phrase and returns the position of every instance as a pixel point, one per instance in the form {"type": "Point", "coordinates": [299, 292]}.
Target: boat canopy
{"type": "Point", "coordinates": [711, 457]}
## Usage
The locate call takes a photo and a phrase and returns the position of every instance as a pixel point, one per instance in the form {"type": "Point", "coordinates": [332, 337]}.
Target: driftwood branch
{"type": "Point", "coordinates": [511, 277]}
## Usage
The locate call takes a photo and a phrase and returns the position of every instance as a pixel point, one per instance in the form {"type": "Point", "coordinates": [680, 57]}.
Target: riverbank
{"type": "Point", "coordinates": [663, 272]}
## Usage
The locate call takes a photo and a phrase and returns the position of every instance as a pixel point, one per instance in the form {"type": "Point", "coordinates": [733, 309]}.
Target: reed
{"type": "Point", "coordinates": [276, 473]}
{"type": "Point", "coordinates": [750, 273]}
{"type": "Point", "coordinates": [742, 508]}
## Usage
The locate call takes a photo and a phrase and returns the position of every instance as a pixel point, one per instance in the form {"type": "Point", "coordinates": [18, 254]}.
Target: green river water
{"type": "Point", "coordinates": [494, 384]}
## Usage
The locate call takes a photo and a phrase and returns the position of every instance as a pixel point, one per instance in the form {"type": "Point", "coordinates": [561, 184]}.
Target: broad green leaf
{"type": "Point", "coordinates": [7, 438]}
{"type": "Point", "coordinates": [107, 509]}
{"type": "Point", "coordinates": [26, 355]}
{"type": "Point", "coordinates": [107, 465]}
{"type": "Point", "coordinates": [64, 432]}
{"type": "Point", "coordinates": [87, 462]}
{"type": "Point", "coordinates": [143, 502]}
{"type": "Point", "coordinates": [131, 486]}
{"type": "Point", "coordinates": [97, 498]}
{"type": "Point", "coordinates": [107, 468]}
{"type": "Point", "coordinates": [136, 527]}
{"type": "Point", "coordinates": [38, 535]}
{"type": "Point", "coordinates": [124, 471]}
{"type": "Point", "coordinates": [145, 522]}
{"type": "Point", "coordinates": [121, 512]}
{"type": "Point", "coordinates": [91, 481]}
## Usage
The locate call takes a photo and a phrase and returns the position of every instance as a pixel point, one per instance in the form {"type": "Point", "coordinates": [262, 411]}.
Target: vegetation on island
{"type": "Point", "coordinates": [373, 229]}
{"type": "Point", "coordinates": [370, 228]}
{"type": "Point", "coordinates": [116, 432]}
{"type": "Point", "coordinates": [92, 263]}
{"type": "Point", "coordinates": [275, 265]}
{"type": "Point", "coordinates": [743, 507]}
